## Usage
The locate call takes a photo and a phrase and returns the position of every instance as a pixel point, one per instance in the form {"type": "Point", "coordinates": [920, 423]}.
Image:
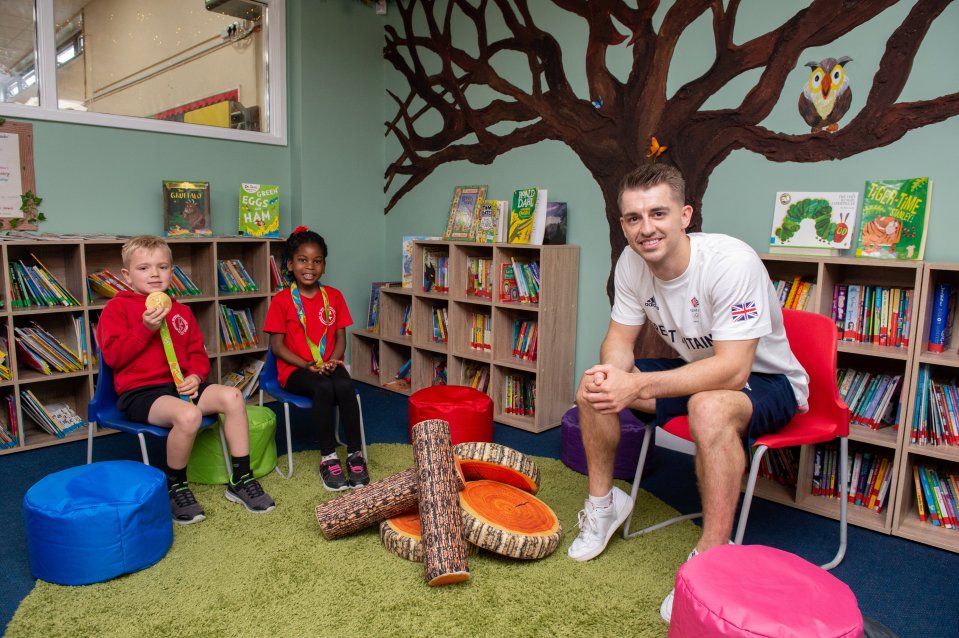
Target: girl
{"type": "Point", "coordinates": [307, 325]}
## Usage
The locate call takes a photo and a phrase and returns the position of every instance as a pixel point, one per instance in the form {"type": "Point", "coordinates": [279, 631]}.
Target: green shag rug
{"type": "Point", "coordinates": [238, 574]}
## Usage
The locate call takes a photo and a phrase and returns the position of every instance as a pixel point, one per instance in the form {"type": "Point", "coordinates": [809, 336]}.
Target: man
{"type": "Point", "coordinates": [710, 298]}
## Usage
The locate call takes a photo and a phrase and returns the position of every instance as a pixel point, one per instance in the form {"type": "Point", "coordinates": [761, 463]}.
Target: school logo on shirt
{"type": "Point", "coordinates": [180, 324]}
{"type": "Point", "coordinates": [327, 319]}
{"type": "Point", "coordinates": [744, 311]}
{"type": "Point", "coordinates": [651, 303]}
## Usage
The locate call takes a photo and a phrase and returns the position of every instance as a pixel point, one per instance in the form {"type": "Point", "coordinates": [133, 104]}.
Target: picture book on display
{"type": "Point", "coordinates": [487, 224]}
{"type": "Point", "coordinates": [520, 225]}
{"type": "Point", "coordinates": [259, 210]}
{"type": "Point", "coordinates": [463, 211]}
{"type": "Point", "coordinates": [813, 223]}
{"type": "Point", "coordinates": [555, 233]}
{"type": "Point", "coordinates": [895, 214]}
{"type": "Point", "coordinates": [186, 209]}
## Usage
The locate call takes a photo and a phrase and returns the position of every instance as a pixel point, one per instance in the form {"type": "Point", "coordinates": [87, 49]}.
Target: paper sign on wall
{"type": "Point", "coordinates": [11, 183]}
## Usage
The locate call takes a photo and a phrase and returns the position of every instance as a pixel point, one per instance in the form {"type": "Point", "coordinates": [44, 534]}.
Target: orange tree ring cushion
{"type": "Point", "coordinates": [498, 463]}
{"type": "Point", "coordinates": [508, 521]}
{"type": "Point", "coordinates": [402, 535]}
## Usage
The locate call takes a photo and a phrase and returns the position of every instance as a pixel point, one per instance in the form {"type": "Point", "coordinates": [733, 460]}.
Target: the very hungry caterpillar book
{"type": "Point", "coordinates": [813, 223]}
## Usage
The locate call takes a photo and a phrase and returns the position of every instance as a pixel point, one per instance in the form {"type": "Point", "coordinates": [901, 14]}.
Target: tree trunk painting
{"type": "Point", "coordinates": [611, 129]}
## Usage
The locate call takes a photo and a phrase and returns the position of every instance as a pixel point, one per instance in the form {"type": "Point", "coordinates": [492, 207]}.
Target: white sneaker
{"type": "Point", "coordinates": [666, 609]}
{"type": "Point", "coordinates": [598, 524]}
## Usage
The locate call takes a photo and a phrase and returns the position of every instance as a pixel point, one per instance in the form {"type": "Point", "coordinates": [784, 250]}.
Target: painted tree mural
{"type": "Point", "coordinates": [611, 130]}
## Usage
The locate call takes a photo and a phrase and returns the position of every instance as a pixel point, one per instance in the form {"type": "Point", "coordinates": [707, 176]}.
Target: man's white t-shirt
{"type": "Point", "coordinates": [724, 295]}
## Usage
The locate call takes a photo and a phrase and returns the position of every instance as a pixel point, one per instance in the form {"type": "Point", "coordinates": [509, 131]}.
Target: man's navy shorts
{"type": "Point", "coordinates": [774, 402]}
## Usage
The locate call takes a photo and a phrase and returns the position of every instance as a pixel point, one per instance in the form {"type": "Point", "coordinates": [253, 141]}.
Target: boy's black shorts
{"type": "Point", "coordinates": [136, 403]}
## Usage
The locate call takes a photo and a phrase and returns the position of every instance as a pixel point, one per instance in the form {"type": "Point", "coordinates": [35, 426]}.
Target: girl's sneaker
{"type": "Point", "coordinates": [333, 477]}
{"type": "Point", "coordinates": [359, 474]}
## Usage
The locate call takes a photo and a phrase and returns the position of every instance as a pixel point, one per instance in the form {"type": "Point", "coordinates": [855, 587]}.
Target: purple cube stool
{"type": "Point", "coordinates": [630, 443]}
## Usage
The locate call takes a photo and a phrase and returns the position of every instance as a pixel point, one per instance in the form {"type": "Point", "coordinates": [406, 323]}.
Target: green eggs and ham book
{"type": "Point", "coordinates": [259, 210]}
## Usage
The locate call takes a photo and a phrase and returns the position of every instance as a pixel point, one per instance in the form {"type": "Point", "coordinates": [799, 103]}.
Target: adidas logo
{"type": "Point", "coordinates": [651, 303]}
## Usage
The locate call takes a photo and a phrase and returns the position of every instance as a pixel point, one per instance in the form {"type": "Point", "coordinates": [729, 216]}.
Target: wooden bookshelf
{"type": "Point", "coordinates": [826, 273]}
{"type": "Point", "coordinates": [70, 261]}
{"type": "Point", "coordinates": [555, 314]}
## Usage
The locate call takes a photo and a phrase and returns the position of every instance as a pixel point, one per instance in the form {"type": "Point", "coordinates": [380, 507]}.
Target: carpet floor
{"type": "Point", "coordinates": [240, 574]}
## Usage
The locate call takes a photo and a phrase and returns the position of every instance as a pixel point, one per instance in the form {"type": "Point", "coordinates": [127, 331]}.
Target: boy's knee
{"type": "Point", "coordinates": [188, 419]}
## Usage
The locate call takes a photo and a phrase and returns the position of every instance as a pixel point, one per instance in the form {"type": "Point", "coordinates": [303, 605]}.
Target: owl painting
{"type": "Point", "coordinates": [826, 96]}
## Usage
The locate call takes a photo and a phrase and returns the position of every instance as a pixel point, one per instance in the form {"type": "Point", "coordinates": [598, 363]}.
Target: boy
{"type": "Point", "coordinates": [129, 335]}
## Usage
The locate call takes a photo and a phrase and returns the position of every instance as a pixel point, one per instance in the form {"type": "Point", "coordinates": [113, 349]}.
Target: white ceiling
{"type": "Point", "coordinates": [17, 33]}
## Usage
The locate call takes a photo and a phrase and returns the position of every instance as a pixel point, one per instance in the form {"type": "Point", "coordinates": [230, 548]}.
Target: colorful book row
{"type": "Point", "coordinates": [476, 376]}
{"type": "Point", "coordinates": [439, 371]}
{"type": "Point", "coordinates": [519, 281]}
{"type": "Point", "coordinates": [870, 476]}
{"type": "Point", "coordinates": [520, 399]}
{"type": "Point", "coordinates": [878, 315]}
{"type": "Point", "coordinates": [278, 279]}
{"type": "Point", "coordinates": [44, 352]}
{"type": "Point", "coordinates": [481, 331]}
{"type": "Point", "coordinates": [237, 328]}
{"type": "Point", "coordinates": [233, 277]}
{"type": "Point", "coordinates": [246, 378]}
{"type": "Point", "coordinates": [435, 271]}
{"type": "Point", "coordinates": [9, 427]}
{"type": "Point", "coordinates": [57, 419]}
{"type": "Point", "coordinates": [873, 399]}
{"type": "Point", "coordinates": [479, 273]}
{"type": "Point", "coordinates": [936, 415]}
{"type": "Point", "coordinates": [106, 283]}
{"type": "Point", "coordinates": [440, 318]}
{"type": "Point", "coordinates": [525, 340]}
{"type": "Point", "coordinates": [794, 294]}
{"type": "Point", "coordinates": [35, 286]}
{"type": "Point", "coordinates": [937, 493]}
{"type": "Point", "coordinates": [780, 465]}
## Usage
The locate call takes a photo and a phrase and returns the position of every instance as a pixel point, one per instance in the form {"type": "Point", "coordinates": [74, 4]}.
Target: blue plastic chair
{"type": "Point", "coordinates": [270, 384]}
{"type": "Point", "coordinates": [103, 410]}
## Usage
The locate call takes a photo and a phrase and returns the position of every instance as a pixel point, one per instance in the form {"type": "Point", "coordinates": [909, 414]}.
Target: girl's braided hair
{"type": "Point", "coordinates": [302, 235]}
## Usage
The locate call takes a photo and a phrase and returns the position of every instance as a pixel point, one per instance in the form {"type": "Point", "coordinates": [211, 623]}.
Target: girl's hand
{"type": "Point", "coordinates": [189, 387]}
{"type": "Point", "coordinates": [153, 318]}
{"type": "Point", "coordinates": [330, 366]}
{"type": "Point", "coordinates": [314, 367]}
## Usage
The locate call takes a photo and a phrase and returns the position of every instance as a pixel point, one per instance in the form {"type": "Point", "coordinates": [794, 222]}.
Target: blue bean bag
{"type": "Point", "coordinates": [91, 523]}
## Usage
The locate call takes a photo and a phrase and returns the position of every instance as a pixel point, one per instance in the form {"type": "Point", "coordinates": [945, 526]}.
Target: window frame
{"type": "Point", "coordinates": [274, 69]}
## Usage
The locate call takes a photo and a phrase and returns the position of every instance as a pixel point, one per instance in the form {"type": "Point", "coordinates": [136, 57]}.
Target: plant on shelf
{"type": "Point", "coordinates": [30, 205]}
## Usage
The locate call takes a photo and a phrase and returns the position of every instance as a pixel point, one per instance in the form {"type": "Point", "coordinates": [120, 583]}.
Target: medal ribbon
{"type": "Point", "coordinates": [317, 351]}
{"type": "Point", "coordinates": [171, 356]}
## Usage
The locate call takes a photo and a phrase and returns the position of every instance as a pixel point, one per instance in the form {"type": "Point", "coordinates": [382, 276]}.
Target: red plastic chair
{"type": "Point", "coordinates": [813, 339]}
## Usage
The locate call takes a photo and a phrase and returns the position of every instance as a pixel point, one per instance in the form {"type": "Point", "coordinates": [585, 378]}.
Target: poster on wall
{"type": "Point", "coordinates": [11, 185]}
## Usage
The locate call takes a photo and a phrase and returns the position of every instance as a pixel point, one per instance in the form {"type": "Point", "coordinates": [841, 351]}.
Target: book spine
{"type": "Point", "coordinates": [940, 313]}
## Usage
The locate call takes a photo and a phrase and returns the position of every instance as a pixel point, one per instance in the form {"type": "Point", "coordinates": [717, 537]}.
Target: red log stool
{"type": "Point", "coordinates": [468, 411]}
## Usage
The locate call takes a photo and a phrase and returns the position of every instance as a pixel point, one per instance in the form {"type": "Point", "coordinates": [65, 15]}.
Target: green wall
{"type": "Point", "coordinates": [741, 191]}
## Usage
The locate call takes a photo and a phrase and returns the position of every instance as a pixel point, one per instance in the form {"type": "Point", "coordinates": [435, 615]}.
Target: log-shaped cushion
{"type": "Point", "coordinates": [91, 523]}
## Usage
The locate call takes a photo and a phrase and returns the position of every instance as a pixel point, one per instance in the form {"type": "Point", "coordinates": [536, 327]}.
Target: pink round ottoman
{"type": "Point", "coordinates": [468, 411]}
{"type": "Point", "coordinates": [752, 590]}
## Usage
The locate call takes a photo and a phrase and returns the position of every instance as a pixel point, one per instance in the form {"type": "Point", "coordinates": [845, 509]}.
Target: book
{"type": "Point", "coordinates": [539, 218]}
{"type": "Point", "coordinates": [520, 227]}
{"type": "Point", "coordinates": [259, 210]}
{"type": "Point", "coordinates": [463, 211]}
{"type": "Point", "coordinates": [940, 327]}
{"type": "Point", "coordinates": [895, 215]}
{"type": "Point", "coordinates": [555, 233]}
{"type": "Point", "coordinates": [373, 315]}
{"type": "Point", "coordinates": [485, 224]}
{"type": "Point", "coordinates": [407, 266]}
{"type": "Point", "coordinates": [812, 223]}
{"type": "Point", "coordinates": [186, 209]}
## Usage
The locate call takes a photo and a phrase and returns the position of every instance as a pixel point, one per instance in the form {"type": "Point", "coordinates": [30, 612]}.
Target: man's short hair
{"type": "Point", "coordinates": [649, 175]}
{"type": "Point", "coordinates": [144, 242]}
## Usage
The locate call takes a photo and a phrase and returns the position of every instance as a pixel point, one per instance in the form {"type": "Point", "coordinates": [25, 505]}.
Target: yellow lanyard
{"type": "Point", "coordinates": [318, 352]}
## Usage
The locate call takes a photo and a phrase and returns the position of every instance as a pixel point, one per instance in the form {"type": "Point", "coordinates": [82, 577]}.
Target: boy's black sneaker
{"type": "Point", "coordinates": [184, 506]}
{"type": "Point", "coordinates": [359, 475]}
{"type": "Point", "coordinates": [332, 475]}
{"type": "Point", "coordinates": [248, 493]}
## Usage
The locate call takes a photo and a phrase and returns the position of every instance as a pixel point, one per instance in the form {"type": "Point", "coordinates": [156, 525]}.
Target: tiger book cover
{"type": "Point", "coordinates": [186, 209]}
{"type": "Point", "coordinates": [259, 210]}
{"type": "Point", "coordinates": [895, 215]}
{"type": "Point", "coordinates": [813, 223]}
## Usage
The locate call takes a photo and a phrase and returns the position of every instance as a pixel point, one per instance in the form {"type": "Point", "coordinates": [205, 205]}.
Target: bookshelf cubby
{"type": "Point", "coordinates": [555, 314]}
{"type": "Point", "coordinates": [70, 261]}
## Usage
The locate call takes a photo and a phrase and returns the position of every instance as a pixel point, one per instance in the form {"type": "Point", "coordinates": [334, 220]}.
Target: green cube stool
{"type": "Point", "coordinates": [206, 460]}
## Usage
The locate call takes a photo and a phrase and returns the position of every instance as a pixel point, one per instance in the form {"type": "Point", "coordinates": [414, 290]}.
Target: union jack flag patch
{"type": "Point", "coordinates": [744, 311]}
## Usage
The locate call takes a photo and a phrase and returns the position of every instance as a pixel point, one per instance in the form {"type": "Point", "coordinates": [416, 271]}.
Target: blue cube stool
{"type": "Point", "coordinates": [91, 523]}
